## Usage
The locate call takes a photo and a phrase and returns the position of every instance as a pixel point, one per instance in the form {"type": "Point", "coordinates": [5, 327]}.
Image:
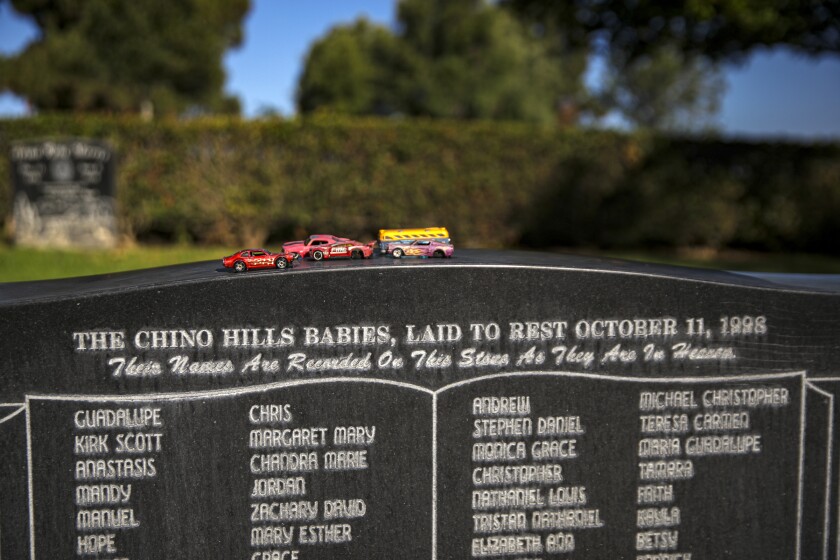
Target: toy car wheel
{"type": "Point", "coordinates": [440, 254]}
{"type": "Point", "coordinates": [295, 256]}
{"type": "Point", "coordinates": [356, 254]}
{"type": "Point", "coordinates": [281, 263]}
{"type": "Point", "coordinates": [240, 266]}
{"type": "Point", "coordinates": [398, 253]}
{"type": "Point", "coordinates": [317, 255]}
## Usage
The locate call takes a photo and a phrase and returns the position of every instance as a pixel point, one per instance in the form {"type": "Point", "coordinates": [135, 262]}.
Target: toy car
{"type": "Point", "coordinates": [257, 258]}
{"type": "Point", "coordinates": [352, 249]}
{"type": "Point", "coordinates": [390, 238]}
{"type": "Point", "coordinates": [422, 248]}
{"type": "Point", "coordinates": [303, 248]}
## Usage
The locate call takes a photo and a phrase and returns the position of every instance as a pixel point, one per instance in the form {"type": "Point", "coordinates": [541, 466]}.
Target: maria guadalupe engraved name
{"type": "Point", "coordinates": [514, 344]}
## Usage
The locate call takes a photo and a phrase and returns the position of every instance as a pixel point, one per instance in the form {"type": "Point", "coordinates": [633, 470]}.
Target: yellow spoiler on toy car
{"type": "Point", "coordinates": [436, 233]}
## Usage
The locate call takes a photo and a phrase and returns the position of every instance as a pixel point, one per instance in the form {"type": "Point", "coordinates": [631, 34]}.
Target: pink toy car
{"type": "Point", "coordinates": [422, 248]}
{"type": "Point", "coordinates": [304, 247]}
{"type": "Point", "coordinates": [352, 249]}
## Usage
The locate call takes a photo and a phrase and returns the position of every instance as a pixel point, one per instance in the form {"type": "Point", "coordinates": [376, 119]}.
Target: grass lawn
{"type": "Point", "coordinates": [18, 264]}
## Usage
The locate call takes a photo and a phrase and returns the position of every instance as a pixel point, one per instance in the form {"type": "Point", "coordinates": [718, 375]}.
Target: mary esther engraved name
{"type": "Point", "coordinates": [581, 413]}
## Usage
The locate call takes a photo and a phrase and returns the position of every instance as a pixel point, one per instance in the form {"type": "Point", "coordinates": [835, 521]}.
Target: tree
{"type": "Point", "coordinates": [118, 55]}
{"type": "Point", "coordinates": [666, 89]}
{"type": "Point", "coordinates": [357, 69]}
{"type": "Point", "coordinates": [715, 29]}
{"type": "Point", "coordinates": [453, 58]}
{"type": "Point", "coordinates": [483, 63]}
{"type": "Point", "coordinates": [663, 72]}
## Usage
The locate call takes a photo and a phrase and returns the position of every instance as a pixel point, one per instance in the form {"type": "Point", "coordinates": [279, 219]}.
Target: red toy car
{"type": "Point", "coordinates": [304, 247]}
{"type": "Point", "coordinates": [352, 249]}
{"type": "Point", "coordinates": [257, 258]}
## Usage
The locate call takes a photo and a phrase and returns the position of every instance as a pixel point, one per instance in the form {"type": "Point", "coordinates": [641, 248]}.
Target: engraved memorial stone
{"type": "Point", "coordinates": [495, 405]}
{"type": "Point", "coordinates": [64, 194]}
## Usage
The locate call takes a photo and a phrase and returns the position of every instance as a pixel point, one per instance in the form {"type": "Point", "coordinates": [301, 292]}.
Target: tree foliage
{"type": "Point", "coordinates": [664, 90]}
{"type": "Point", "coordinates": [454, 58]}
{"type": "Point", "coordinates": [483, 63]}
{"type": "Point", "coordinates": [116, 55]}
{"type": "Point", "coordinates": [357, 69]}
{"type": "Point", "coordinates": [472, 59]}
{"type": "Point", "coordinates": [716, 29]}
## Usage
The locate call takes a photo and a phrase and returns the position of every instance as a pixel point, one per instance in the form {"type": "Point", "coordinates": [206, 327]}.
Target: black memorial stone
{"type": "Point", "coordinates": [493, 405]}
{"type": "Point", "coordinates": [64, 193]}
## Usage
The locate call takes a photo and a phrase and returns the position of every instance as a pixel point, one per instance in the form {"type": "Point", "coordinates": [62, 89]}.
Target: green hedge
{"type": "Point", "coordinates": [240, 182]}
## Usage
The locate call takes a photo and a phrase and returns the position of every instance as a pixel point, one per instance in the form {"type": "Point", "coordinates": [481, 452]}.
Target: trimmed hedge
{"type": "Point", "coordinates": [235, 182]}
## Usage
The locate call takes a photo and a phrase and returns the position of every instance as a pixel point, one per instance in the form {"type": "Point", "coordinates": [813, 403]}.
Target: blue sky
{"type": "Point", "coordinates": [776, 93]}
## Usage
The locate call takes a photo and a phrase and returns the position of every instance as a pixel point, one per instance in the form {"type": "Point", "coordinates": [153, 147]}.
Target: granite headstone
{"type": "Point", "coordinates": [64, 194]}
{"type": "Point", "coordinates": [493, 405]}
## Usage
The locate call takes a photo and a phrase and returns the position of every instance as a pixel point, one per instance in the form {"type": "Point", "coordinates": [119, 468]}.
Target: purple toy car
{"type": "Point", "coordinates": [422, 248]}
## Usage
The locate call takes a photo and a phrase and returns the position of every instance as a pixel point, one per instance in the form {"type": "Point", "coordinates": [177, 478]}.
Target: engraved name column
{"type": "Point", "coordinates": [525, 501]}
{"type": "Point", "coordinates": [287, 463]}
{"type": "Point", "coordinates": [117, 450]}
{"type": "Point", "coordinates": [687, 437]}
{"type": "Point", "coordinates": [329, 478]}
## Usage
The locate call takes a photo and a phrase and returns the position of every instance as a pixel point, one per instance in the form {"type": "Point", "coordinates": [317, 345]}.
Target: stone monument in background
{"type": "Point", "coordinates": [64, 193]}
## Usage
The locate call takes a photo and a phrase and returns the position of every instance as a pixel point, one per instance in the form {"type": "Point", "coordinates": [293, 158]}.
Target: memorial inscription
{"type": "Point", "coordinates": [541, 407]}
{"type": "Point", "coordinates": [64, 193]}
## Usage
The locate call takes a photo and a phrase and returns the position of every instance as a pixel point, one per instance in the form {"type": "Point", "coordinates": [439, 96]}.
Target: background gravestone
{"type": "Point", "coordinates": [64, 193]}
